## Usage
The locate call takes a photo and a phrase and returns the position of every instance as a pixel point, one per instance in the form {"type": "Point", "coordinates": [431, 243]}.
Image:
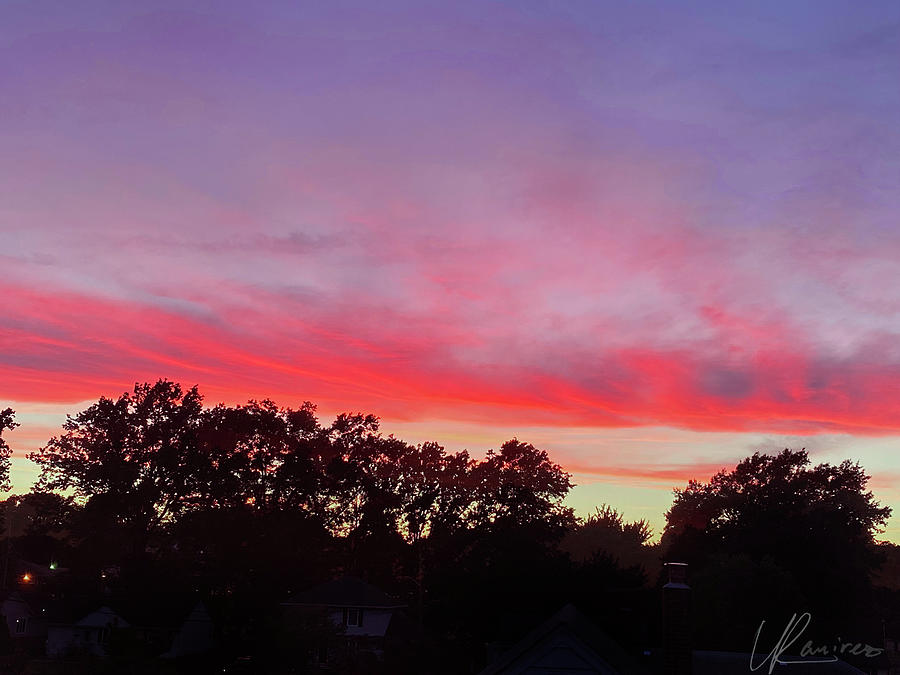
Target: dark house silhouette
{"type": "Point", "coordinates": [25, 623]}
{"type": "Point", "coordinates": [174, 629]}
{"type": "Point", "coordinates": [568, 642]}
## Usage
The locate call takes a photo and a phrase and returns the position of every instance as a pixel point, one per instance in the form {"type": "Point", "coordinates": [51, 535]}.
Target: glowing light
{"type": "Point", "coordinates": [26, 577]}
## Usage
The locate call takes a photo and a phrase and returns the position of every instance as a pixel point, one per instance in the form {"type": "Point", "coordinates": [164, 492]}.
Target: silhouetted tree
{"type": "Point", "coordinates": [605, 533]}
{"type": "Point", "coordinates": [7, 422]}
{"type": "Point", "coordinates": [520, 485]}
{"type": "Point", "coordinates": [888, 573]}
{"type": "Point", "coordinates": [800, 527]}
{"type": "Point", "coordinates": [360, 497]}
{"type": "Point", "coordinates": [435, 488]}
{"type": "Point", "coordinates": [45, 513]}
{"type": "Point", "coordinates": [261, 456]}
{"type": "Point", "coordinates": [134, 459]}
{"type": "Point", "coordinates": [500, 570]}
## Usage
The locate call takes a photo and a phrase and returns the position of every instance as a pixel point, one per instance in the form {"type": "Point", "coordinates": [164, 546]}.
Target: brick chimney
{"type": "Point", "coordinates": [677, 624]}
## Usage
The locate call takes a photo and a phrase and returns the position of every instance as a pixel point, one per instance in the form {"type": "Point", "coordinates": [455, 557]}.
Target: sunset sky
{"type": "Point", "coordinates": [651, 238]}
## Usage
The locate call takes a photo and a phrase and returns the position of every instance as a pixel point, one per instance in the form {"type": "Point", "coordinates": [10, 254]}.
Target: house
{"type": "Point", "coordinates": [168, 628]}
{"type": "Point", "coordinates": [196, 635]}
{"type": "Point", "coordinates": [22, 620]}
{"type": "Point", "coordinates": [364, 618]}
{"type": "Point", "coordinates": [88, 636]}
{"type": "Point", "coordinates": [568, 643]}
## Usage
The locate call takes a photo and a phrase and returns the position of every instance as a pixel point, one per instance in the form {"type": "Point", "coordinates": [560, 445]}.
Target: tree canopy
{"type": "Point", "coordinates": [768, 501]}
{"type": "Point", "coordinates": [7, 422]}
{"type": "Point", "coordinates": [137, 455]}
{"type": "Point", "coordinates": [606, 533]}
{"type": "Point", "coordinates": [156, 453]}
{"type": "Point", "coordinates": [786, 523]}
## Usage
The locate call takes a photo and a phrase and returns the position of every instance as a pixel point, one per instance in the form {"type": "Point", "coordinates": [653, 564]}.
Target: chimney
{"type": "Point", "coordinates": [677, 625]}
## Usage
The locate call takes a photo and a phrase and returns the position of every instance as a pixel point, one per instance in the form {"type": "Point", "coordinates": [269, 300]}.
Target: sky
{"type": "Point", "coordinates": [651, 238]}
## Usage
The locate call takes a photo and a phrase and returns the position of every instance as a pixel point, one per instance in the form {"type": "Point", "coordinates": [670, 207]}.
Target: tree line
{"type": "Point", "coordinates": [152, 494]}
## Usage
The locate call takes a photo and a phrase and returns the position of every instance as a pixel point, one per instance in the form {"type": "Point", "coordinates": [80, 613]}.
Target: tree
{"type": "Point", "coordinates": [605, 533]}
{"type": "Point", "coordinates": [500, 568]}
{"type": "Point", "coordinates": [7, 422]}
{"type": "Point", "coordinates": [765, 493]}
{"type": "Point", "coordinates": [134, 461]}
{"type": "Point", "coordinates": [435, 490]}
{"type": "Point", "coordinates": [37, 513]}
{"type": "Point", "coordinates": [809, 528]}
{"type": "Point", "coordinates": [520, 485]}
{"type": "Point", "coordinates": [356, 497]}
{"type": "Point", "coordinates": [261, 456]}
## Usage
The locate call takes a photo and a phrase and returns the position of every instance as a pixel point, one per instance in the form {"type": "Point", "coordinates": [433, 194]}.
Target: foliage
{"type": "Point", "coordinates": [259, 455]}
{"type": "Point", "coordinates": [778, 502]}
{"type": "Point", "coordinates": [816, 525]}
{"type": "Point", "coordinates": [38, 513]}
{"type": "Point", "coordinates": [605, 533]}
{"type": "Point", "coordinates": [7, 422]}
{"type": "Point", "coordinates": [887, 574]}
{"type": "Point", "coordinates": [520, 485]}
{"type": "Point", "coordinates": [138, 455]}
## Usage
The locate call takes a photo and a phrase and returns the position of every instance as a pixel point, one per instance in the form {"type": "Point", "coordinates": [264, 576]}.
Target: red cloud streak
{"type": "Point", "coordinates": [64, 346]}
{"type": "Point", "coordinates": [67, 347]}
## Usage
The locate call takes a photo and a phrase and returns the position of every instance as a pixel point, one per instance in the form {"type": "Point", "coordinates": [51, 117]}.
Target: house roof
{"type": "Point", "coordinates": [199, 614]}
{"type": "Point", "coordinates": [571, 622]}
{"type": "Point", "coordinates": [345, 592]}
{"type": "Point", "coordinates": [102, 618]}
{"type": "Point", "coordinates": [159, 610]}
{"type": "Point", "coordinates": [15, 599]}
{"type": "Point", "coordinates": [67, 611]}
{"type": "Point", "coordinates": [167, 612]}
{"type": "Point", "coordinates": [193, 636]}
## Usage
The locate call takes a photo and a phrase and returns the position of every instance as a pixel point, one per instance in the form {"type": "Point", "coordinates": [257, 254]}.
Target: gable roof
{"type": "Point", "coordinates": [345, 592]}
{"type": "Point", "coordinates": [157, 610]}
{"type": "Point", "coordinates": [15, 604]}
{"type": "Point", "coordinates": [593, 645]}
{"type": "Point", "coordinates": [195, 636]}
{"type": "Point", "coordinates": [102, 618]}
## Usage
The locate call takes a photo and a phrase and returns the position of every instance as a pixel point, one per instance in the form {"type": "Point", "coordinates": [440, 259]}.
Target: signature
{"type": "Point", "coordinates": [809, 653]}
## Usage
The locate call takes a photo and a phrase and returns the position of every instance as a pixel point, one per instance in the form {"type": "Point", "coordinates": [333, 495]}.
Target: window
{"type": "Point", "coordinates": [352, 616]}
{"type": "Point", "coordinates": [21, 624]}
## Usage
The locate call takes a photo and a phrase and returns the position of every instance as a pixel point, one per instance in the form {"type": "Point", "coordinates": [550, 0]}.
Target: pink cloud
{"type": "Point", "coordinates": [60, 345]}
